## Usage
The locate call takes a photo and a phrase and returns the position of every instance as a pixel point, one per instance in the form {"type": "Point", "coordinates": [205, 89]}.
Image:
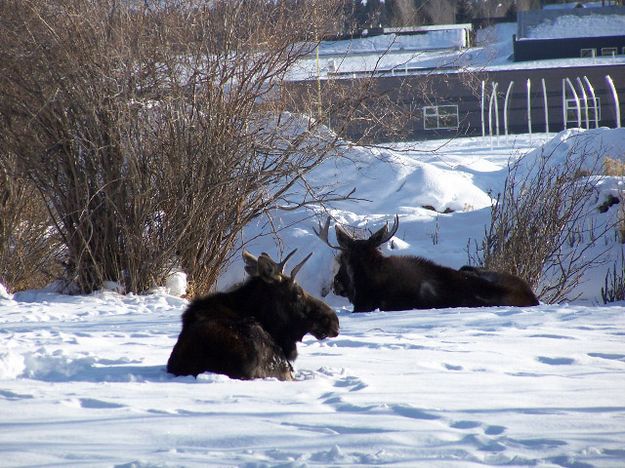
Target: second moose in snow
{"type": "Point", "coordinates": [372, 281]}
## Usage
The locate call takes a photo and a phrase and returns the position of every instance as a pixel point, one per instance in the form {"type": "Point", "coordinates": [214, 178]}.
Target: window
{"type": "Point", "coordinates": [571, 112]}
{"type": "Point", "coordinates": [609, 51]}
{"type": "Point", "coordinates": [440, 117]}
{"type": "Point", "coordinates": [588, 53]}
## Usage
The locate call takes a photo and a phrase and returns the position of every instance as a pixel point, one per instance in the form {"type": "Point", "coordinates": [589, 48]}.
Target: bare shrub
{"type": "Point", "coordinates": [155, 131]}
{"type": "Point", "coordinates": [615, 167]}
{"type": "Point", "coordinates": [28, 247]}
{"type": "Point", "coordinates": [613, 288]}
{"type": "Point", "coordinates": [541, 226]}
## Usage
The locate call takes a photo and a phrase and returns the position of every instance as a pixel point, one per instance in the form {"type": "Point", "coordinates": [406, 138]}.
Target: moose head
{"type": "Point", "coordinates": [353, 251]}
{"type": "Point", "coordinates": [290, 312]}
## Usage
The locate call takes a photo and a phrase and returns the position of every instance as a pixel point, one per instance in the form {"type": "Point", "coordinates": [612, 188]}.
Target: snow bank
{"type": "Point", "coordinates": [442, 197]}
{"type": "Point", "coordinates": [4, 294]}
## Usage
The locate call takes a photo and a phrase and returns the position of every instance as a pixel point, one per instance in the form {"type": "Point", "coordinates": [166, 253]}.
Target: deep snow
{"type": "Point", "coordinates": [83, 381]}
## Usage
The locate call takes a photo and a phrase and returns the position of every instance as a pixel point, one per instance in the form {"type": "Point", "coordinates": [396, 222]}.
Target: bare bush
{"type": "Point", "coordinates": [541, 226]}
{"type": "Point", "coordinates": [615, 167]}
{"type": "Point", "coordinates": [155, 131]}
{"type": "Point", "coordinates": [613, 288]}
{"type": "Point", "coordinates": [28, 248]}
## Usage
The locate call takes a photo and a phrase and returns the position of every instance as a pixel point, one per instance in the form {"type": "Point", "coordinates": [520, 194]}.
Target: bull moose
{"type": "Point", "coordinates": [252, 330]}
{"type": "Point", "coordinates": [372, 281]}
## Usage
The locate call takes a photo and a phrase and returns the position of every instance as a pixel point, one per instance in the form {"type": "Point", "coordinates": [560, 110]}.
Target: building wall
{"type": "Point", "coordinates": [412, 93]}
{"type": "Point", "coordinates": [541, 49]}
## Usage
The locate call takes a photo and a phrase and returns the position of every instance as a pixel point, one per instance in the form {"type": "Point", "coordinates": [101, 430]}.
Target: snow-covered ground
{"type": "Point", "coordinates": [83, 384]}
{"type": "Point", "coordinates": [83, 381]}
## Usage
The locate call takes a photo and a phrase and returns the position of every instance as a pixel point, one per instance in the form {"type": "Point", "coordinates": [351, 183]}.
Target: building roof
{"type": "Point", "coordinates": [433, 52]}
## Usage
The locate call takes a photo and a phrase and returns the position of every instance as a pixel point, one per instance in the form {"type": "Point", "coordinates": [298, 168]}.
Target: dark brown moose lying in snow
{"type": "Point", "coordinates": [251, 331]}
{"type": "Point", "coordinates": [372, 281]}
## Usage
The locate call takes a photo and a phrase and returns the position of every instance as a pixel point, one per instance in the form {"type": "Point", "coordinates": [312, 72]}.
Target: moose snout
{"type": "Point", "coordinates": [326, 327]}
{"type": "Point", "coordinates": [334, 327]}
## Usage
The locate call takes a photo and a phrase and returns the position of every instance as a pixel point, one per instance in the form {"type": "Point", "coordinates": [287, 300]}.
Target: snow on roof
{"type": "Point", "coordinates": [568, 23]}
{"type": "Point", "coordinates": [452, 38]}
{"type": "Point", "coordinates": [568, 26]}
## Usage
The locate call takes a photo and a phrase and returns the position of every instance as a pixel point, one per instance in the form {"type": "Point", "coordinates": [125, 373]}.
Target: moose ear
{"type": "Point", "coordinates": [251, 263]}
{"type": "Point", "coordinates": [384, 235]}
{"type": "Point", "coordinates": [267, 269]}
{"type": "Point", "coordinates": [378, 237]}
{"type": "Point", "coordinates": [343, 237]}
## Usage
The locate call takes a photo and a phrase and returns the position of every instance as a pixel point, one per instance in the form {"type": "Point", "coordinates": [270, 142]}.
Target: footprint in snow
{"type": "Point", "coordinates": [91, 403]}
{"type": "Point", "coordinates": [452, 367]}
{"type": "Point", "coordinates": [98, 404]}
{"type": "Point", "coordinates": [465, 424]}
{"type": "Point", "coordinates": [468, 424]}
{"type": "Point", "coordinates": [494, 430]}
{"type": "Point", "coordinates": [412, 412]}
{"type": "Point", "coordinates": [558, 361]}
{"type": "Point", "coordinates": [8, 395]}
{"type": "Point", "coordinates": [352, 383]}
{"type": "Point", "coordinates": [611, 357]}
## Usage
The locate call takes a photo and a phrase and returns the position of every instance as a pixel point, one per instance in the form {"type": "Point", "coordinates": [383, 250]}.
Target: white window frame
{"type": "Point", "coordinates": [588, 53]}
{"type": "Point", "coordinates": [571, 112]}
{"type": "Point", "coordinates": [609, 51]}
{"type": "Point", "coordinates": [440, 113]}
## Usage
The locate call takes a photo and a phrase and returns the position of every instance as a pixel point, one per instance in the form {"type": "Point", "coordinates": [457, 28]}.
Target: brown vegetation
{"type": "Point", "coordinates": [153, 132]}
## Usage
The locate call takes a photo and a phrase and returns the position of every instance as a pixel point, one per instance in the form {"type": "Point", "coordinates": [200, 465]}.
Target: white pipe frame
{"type": "Point", "coordinates": [593, 96]}
{"type": "Point", "coordinates": [490, 117]}
{"type": "Point", "coordinates": [494, 94]}
{"type": "Point", "coordinates": [585, 98]}
{"type": "Point", "coordinates": [505, 108]}
{"type": "Point", "coordinates": [482, 109]}
{"type": "Point", "coordinates": [577, 104]}
{"type": "Point", "coordinates": [529, 107]}
{"type": "Point", "coordinates": [617, 105]}
{"type": "Point", "coordinates": [545, 103]}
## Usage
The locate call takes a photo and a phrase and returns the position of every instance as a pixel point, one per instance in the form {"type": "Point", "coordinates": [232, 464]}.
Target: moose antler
{"type": "Point", "coordinates": [383, 235]}
{"type": "Point", "coordinates": [286, 259]}
{"type": "Point", "coordinates": [393, 230]}
{"type": "Point", "coordinates": [322, 233]}
{"type": "Point", "coordinates": [297, 267]}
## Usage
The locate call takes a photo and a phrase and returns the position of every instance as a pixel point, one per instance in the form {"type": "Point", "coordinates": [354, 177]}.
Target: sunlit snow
{"type": "Point", "coordinates": [83, 380]}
